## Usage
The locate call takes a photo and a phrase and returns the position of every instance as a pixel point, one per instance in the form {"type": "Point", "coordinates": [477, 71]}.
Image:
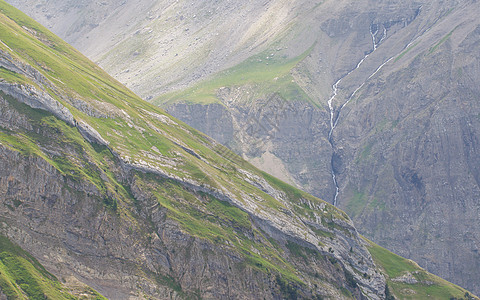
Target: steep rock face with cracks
{"type": "Point", "coordinates": [399, 136]}
{"type": "Point", "coordinates": [109, 192]}
{"type": "Point", "coordinates": [371, 105]}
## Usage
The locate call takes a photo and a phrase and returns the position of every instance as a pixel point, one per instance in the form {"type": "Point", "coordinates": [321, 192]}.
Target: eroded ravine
{"type": "Point", "coordinates": [334, 115]}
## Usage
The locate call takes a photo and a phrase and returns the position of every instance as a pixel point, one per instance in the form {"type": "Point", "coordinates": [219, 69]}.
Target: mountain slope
{"type": "Point", "coordinates": [418, 145]}
{"type": "Point", "coordinates": [397, 79]}
{"type": "Point", "coordinates": [22, 277]}
{"type": "Point", "coordinates": [406, 280]}
{"type": "Point", "coordinates": [104, 187]}
{"type": "Point", "coordinates": [183, 34]}
{"type": "Point", "coordinates": [403, 149]}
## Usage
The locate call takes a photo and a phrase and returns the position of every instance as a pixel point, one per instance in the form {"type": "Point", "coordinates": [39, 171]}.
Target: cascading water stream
{"type": "Point", "coordinates": [333, 118]}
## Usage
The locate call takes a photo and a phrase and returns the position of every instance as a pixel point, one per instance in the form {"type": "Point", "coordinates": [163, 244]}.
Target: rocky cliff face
{"type": "Point", "coordinates": [282, 138]}
{"type": "Point", "coordinates": [381, 95]}
{"type": "Point", "coordinates": [128, 247]}
{"type": "Point", "coordinates": [121, 258]}
{"type": "Point", "coordinates": [412, 164]}
{"type": "Point", "coordinates": [136, 204]}
{"type": "Point", "coordinates": [127, 258]}
{"type": "Point", "coordinates": [403, 148]}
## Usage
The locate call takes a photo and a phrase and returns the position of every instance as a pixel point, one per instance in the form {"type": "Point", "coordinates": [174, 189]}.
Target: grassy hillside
{"type": "Point", "coordinates": [210, 192]}
{"type": "Point", "coordinates": [263, 74]}
{"type": "Point", "coordinates": [406, 280]}
{"type": "Point", "coordinates": [23, 277]}
{"type": "Point", "coordinates": [136, 131]}
{"type": "Point", "coordinates": [119, 147]}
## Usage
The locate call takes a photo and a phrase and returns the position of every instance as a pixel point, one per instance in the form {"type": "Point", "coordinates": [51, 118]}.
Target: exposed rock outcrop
{"type": "Point", "coordinates": [167, 216]}
{"type": "Point", "coordinates": [122, 257]}
{"type": "Point", "coordinates": [284, 240]}
{"type": "Point", "coordinates": [404, 146]}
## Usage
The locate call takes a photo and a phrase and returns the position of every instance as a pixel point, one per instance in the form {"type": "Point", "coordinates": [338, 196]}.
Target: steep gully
{"type": "Point", "coordinates": [334, 118]}
{"type": "Point", "coordinates": [335, 113]}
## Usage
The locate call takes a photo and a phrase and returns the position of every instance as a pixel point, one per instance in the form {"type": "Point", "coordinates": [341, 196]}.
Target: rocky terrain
{"type": "Point", "coordinates": [404, 148]}
{"type": "Point", "coordinates": [371, 105]}
{"type": "Point", "coordinates": [109, 192]}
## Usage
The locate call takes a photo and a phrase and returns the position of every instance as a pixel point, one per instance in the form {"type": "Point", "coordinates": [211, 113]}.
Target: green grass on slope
{"type": "Point", "coordinates": [59, 61]}
{"type": "Point", "coordinates": [12, 77]}
{"type": "Point", "coordinates": [428, 286]}
{"type": "Point", "coordinates": [302, 200]}
{"type": "Point", "coordinates": [147, 136]}
{"type": "Point", "coordinates": [263, 74]}
{"type": "Point", "coordinates": [446, 37]}
{"type": "Point", "coordinates": [356, 203]}
{"type": "Point", "coordinates": [74, 157]}
{"type": "Point", "coordinates": [132, 131]}
{"type": "Point", "coordinates": [77, 77]}
{"type": "Point", "coordinates": [206, 217]}
{"type": "Point", "coordinates": [23, 277]}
